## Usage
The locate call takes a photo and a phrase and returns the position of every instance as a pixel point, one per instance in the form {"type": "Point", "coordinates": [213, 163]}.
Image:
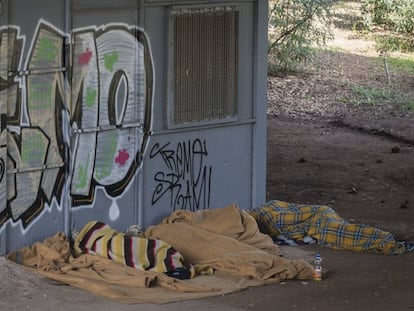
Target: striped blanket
{"type": "Point", "coordinates": [140, 253]}
{"type": "Point", "coordinates": [299, 221]}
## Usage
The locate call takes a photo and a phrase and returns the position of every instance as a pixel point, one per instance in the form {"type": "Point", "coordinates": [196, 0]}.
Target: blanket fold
{"type": "Point", "coordinates": [52, 258]}
{"type": "Point", "coordinates": [224, 240]}
{"type": "Point", "coordinates": [297, 221]}
{"type": "Point", "coordinates": [140, 253]}
{"type": "Point", "coordinates": [229, 240]}
{"type": "Point", "coordinates": [230, 221]}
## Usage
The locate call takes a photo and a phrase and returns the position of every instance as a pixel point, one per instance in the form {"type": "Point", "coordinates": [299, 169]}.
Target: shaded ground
{"type": "Point", "coordinates": [367, 178]}
{"type": "Point", "coordinates": [342, 135]}
{"type": "Point", "coordinates": [329, 144]}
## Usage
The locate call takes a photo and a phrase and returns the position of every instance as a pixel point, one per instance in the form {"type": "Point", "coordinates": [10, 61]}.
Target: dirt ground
{"type": "Point", "coordinates": [327, 144]}
{"type": "Point", "coordinates": [322, 149]}
{"type": "Point", "coordinates": [357, 158]}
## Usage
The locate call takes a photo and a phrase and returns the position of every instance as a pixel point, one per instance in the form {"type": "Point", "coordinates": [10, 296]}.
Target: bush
{"type": "Point", "coordinates": [294, 27]}
{"type": "Point", "coordinates": [394, 15]}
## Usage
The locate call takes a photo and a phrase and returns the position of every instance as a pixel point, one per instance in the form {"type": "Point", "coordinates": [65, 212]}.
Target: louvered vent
{"type": "Point", "coordinates": [205, 64]}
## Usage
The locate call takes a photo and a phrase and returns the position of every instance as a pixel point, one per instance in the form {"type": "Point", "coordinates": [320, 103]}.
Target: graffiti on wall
{"type": "Point", "coordinates": [86, 124]}
{"type": "Point", "coordinates": [32, 105]}
{"type": "Point", "coordinates": [185, 178]}
{"type": "Point", "coordinates": [111, 91]}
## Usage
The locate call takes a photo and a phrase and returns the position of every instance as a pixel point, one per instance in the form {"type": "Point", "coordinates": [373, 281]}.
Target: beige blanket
{"type": "Point", "coordinates": [228, 239]}
{"type": "Point", "coordinates": [225, 240]}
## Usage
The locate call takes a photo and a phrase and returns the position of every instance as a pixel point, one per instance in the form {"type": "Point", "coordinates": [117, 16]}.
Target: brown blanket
{"type": "Point", "coordinates": [53, 259]}
{"type": "Point", "coordinates": [226, 240]}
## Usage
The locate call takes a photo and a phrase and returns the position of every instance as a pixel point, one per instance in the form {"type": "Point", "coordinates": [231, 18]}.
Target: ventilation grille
{"type": "Point", "coordinates": [205, 65]}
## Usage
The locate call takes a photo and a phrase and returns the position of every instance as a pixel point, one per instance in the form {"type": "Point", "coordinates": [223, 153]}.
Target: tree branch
{"type": "Point", "coordinates": [291, 30]}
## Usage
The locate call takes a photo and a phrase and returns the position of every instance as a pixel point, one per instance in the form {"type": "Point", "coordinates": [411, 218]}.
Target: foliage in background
{"type": "Point", "coordinates": [374, 96]}
{"type": "Point", "coordinates": [396, 16]}
{"type": "Point", "coordinates": [402, 64]}
{"type": "Point", "coordinates": [294, 27]}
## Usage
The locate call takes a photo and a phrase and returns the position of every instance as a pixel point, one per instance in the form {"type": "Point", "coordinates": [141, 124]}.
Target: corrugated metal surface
{"type": "Point", "coordinates": [205, 64]}
{"type": "Point", "coordinates": [130, 74]}
{"type": "Point", "coordinates": [33, 96]}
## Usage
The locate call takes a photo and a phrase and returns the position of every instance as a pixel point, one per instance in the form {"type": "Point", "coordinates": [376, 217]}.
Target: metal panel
{"type": "Point", "coordinates": [205, 44]}
{"type": "Point", "coordinates": [229, 146]}
{"type": "Point", "coordinates": [155, 23]}
{"type": "Point", "coordinates": [32, 90]}
{"type": "Point", "coordinates": [78, 88]}
{"type": "Point", "coordinates": [4, 10]}
{"type": "Point", "coordinates": [4, 69]}
{"type": "Point", "coordinates": [110, 107]}
{"type": "Point", "coordinates": [191, 2]}
{"type": "Point", "coordinates": [100, 107]}
{"type": "Point", "coordinates": [247, 35]}
{"type": "Point", "coordinates": [103, 4]}
{"type": "Point", "coordinates": [259, 105]}
{"type": "Point", "coordinates": [196, 170]}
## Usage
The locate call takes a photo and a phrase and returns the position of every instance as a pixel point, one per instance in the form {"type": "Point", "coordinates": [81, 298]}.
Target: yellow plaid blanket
{"type": "Point", "coordinates": [296, 221]}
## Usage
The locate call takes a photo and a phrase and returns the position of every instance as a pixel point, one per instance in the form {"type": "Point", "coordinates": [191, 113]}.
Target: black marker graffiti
{"type": "Point", "coordinates": [2, 169]}
{"type": "Point", "coordinates": [186, 179]}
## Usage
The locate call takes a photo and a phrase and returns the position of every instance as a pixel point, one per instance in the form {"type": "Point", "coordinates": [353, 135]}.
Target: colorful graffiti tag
{"type": "Point", "coordinates": [111, 90]}
{"type": "Point", "coordinates": [86, 123]}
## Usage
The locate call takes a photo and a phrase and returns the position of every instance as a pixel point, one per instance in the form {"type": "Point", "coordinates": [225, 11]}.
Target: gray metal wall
{"type": "Point", "coordinates": [86, 131]}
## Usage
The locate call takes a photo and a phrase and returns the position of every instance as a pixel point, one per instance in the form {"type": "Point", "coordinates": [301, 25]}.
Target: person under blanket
{"type": "Point", "coordinates": [140, 253]}
{"type": "Point", "coordinates": [298, 222]}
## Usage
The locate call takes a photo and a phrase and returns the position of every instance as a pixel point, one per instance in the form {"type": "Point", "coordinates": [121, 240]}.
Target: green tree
{"type": "Point", "coordinates": [294, 27]}
{"type": "Point", "coordinates": [395, 16]}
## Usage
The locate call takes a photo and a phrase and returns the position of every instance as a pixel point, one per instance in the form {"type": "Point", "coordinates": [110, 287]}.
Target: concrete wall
{"type": "Point", "coordinates": [85, 119]}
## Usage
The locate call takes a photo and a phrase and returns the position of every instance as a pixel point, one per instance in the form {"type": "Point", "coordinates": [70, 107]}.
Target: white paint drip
{"type": "Point", "coordinates": [114, 211]}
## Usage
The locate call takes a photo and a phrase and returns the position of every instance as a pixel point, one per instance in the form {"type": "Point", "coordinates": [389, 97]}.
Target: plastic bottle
{"type": "Point", "coordinates": [317, 270]}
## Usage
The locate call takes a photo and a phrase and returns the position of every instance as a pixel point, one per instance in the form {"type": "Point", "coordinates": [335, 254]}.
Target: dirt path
{"type": "Point", "coordinates": [366, 178]}
{"type": "Point", "coordinates": [329, 144]}
{"type": "Point", "coordinates": [326, 146]}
